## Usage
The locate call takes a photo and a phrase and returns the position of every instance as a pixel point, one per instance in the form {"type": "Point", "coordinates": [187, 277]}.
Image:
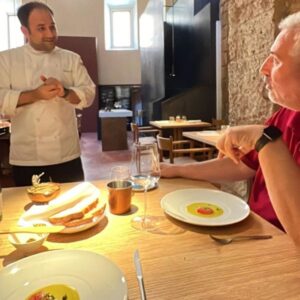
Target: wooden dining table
{"type": "Point", "coordinates": [178, 126]}
{"type": "Point", "coordinates": [179, 260]}
{"type": "Point", "coordinates": [209, 137]}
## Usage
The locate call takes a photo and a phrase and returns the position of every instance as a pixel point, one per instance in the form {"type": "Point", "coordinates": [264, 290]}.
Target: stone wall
{"type": "Point", "coordinates": [248, 31]}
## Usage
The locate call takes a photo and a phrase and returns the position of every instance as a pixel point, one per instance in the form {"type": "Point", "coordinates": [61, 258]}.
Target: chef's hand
{"type": "Point", "coordinates": [46, 91]}
{"type": "Point", "coordinates": [238, 141]}
{"type": "Point", "coordinates": [51, 81]}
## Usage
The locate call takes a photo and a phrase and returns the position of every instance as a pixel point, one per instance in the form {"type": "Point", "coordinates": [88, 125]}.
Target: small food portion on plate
{"type": "Point", "coordinates": [55, 292]}
{"type": "Point", "coordinates": [204, 210]}
{"type": "Point", "coordinates": [205, 207]}
{"type": "Point", "coordinates": [42, 192]}
{"type": "Point", "coordinates": [27, 242]}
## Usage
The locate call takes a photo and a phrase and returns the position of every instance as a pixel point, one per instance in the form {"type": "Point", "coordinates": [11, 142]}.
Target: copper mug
{"type": "Point", "coordinates": [119, 196]}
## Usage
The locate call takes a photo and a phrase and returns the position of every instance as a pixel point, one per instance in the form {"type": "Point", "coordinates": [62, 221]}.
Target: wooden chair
{"type": "Point", "coordinates": [217, 123]}
{"type": "Point", "coordinates": [143, 134]}
{"type": "Point", "coordinates": [176, 147]}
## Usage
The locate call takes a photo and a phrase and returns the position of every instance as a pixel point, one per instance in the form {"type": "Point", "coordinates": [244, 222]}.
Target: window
{"type": "Point", "coordinates": [120, 24]}
{"type": "Point", "coordinates": [11, 35]}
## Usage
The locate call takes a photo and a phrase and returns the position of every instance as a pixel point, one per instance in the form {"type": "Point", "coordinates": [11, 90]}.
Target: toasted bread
{"type": "Point", "coordinates": [75, 212]}
{"type": "Point", "coordinates": [63, 202]}
{"type": "Point", "coordinates": [88, 217]}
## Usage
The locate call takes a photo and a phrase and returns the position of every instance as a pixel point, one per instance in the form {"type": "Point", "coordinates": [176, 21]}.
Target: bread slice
{"type": "Point", "coordinates": [88, 217]}
{"type": "Point", "coordinates": [75, 212]}
{"type": "Point", "coordinates": [64, 201]}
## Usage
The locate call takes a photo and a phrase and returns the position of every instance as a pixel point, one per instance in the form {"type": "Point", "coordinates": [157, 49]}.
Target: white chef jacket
{"type": "Point", "coordinates": [44, 132]}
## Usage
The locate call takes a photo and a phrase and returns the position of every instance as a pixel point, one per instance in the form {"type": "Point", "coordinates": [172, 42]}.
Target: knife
{"type": "Point", "coordinates": [139, 274]}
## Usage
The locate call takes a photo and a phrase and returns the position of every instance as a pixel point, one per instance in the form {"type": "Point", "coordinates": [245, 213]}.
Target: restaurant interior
{"type": "Point", "coordinates": [193, 73]}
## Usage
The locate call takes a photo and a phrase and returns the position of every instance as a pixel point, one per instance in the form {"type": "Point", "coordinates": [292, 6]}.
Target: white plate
{"type": "Point", "coordinates": [234, 209]}
{"type": "Point", "coordinates": [95, 277]}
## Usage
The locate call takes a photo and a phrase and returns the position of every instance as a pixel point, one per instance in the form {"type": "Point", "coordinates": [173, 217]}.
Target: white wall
{"type": "Point", "coordinates": [86, 18]}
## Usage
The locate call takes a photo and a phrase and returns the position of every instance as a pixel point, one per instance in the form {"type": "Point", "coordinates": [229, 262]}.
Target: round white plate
{"type": "Point", "coordinates": [234, 208]}
{"type": "Point", "coordinates": [94, 277]}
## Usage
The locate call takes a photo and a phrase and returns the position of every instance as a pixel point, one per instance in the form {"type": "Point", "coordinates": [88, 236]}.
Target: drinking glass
{"type": "Point", "coordinates": [145, 172]}
{"type": "Point", "coordinates": [119, 173]}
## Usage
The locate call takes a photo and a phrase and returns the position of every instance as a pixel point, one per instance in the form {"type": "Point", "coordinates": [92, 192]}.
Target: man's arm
{"type": "Point", "coordinates": [282, 176]}
{"type": "Point", "coordinates": [215, 170]}
{"type": "Point", "coordinates": [82, 90]}
{"type": "Point", "coordinates": [280, 170]}
{"type": "Point", "coordinates": [62, 91]}
{"type": "Point", "coordinates": [44, 91]}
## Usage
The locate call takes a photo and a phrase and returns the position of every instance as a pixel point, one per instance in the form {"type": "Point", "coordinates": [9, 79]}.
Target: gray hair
{"type": "Point", "coordinates": [292, 22]}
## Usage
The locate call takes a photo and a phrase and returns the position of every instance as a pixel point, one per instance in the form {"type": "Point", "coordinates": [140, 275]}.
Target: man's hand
{"type": "Point", "coordinates": [238, 141]}
{"type": "Point", "coordinates": [54, 84]}
{"type": "Point", "coordinates": [46, 91]}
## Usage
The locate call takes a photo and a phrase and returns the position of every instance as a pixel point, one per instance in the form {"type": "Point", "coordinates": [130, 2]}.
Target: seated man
{"type": "Point", "coordinates": [268, 153]}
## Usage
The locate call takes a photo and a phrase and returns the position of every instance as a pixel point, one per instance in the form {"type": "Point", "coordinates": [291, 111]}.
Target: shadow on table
{"type": "Point", "coordinates": [165, 226]}
{"type": "Point", "coordinates": [233, 229]}
{"type": "Point", "coordinates": [17, 255]}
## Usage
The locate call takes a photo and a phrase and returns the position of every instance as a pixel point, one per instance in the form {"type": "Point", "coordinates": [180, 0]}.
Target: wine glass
{"type": "Point", "coordinates": [119, 173]}
{"type": "Point", "coordinates": [145, 172]}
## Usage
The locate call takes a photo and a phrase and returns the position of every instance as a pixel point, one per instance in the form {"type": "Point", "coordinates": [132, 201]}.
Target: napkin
{"type": "Point", "coordinates": [63, 201]}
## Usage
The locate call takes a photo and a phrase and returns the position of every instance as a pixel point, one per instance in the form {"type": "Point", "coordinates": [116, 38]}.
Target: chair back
{"type": "Point", "coordinates": [143, 134]}
{"type": "Point", "coordinates": [165, 144]}
{"type": "Point", "coordinates": [135, 132]}
{"type": "Point", "coordinates": [217, 123]}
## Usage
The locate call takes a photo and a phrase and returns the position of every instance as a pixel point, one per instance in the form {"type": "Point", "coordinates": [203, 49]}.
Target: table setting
{"type": "Point", "coordinates": [192, 240]}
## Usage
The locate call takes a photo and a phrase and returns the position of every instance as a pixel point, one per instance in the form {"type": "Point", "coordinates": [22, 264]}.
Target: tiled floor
{"type": "Point", "coordinates": [96, 163]}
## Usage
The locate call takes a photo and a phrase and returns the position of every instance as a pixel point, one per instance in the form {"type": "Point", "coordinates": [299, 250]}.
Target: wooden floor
{"type": "Point", "coordinates": [96, 163]}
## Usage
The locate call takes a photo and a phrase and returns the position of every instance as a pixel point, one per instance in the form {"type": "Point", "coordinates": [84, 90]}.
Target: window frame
{"type": "Point", "coordinates": [9, 42]}
{"type": "Point", "coordinates": [110, 9]}
{"type": "Point", "coordinates": [114, 9]}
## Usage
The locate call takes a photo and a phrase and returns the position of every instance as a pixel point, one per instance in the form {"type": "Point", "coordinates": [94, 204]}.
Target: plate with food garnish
{"type": "Point", "coordinates": [78, 209]}
{"type": "Point", "coordinates": [54, 275]}
{"type": "Point", "coordinates": [205, 207]}
{"type": "Point", "coordinates": [42, 192]}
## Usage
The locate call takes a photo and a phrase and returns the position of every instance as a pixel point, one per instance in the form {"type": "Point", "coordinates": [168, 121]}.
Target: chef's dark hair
{"type": "Point", "coordinates": [25, 10]}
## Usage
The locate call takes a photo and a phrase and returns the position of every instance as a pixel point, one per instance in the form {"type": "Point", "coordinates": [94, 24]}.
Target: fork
{"type": "Point", "coordinates": [228, 240]}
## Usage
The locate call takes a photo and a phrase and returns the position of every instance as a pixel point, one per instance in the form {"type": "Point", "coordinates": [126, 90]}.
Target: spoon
{"type": "Point", "coordinates": [228, 240]}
